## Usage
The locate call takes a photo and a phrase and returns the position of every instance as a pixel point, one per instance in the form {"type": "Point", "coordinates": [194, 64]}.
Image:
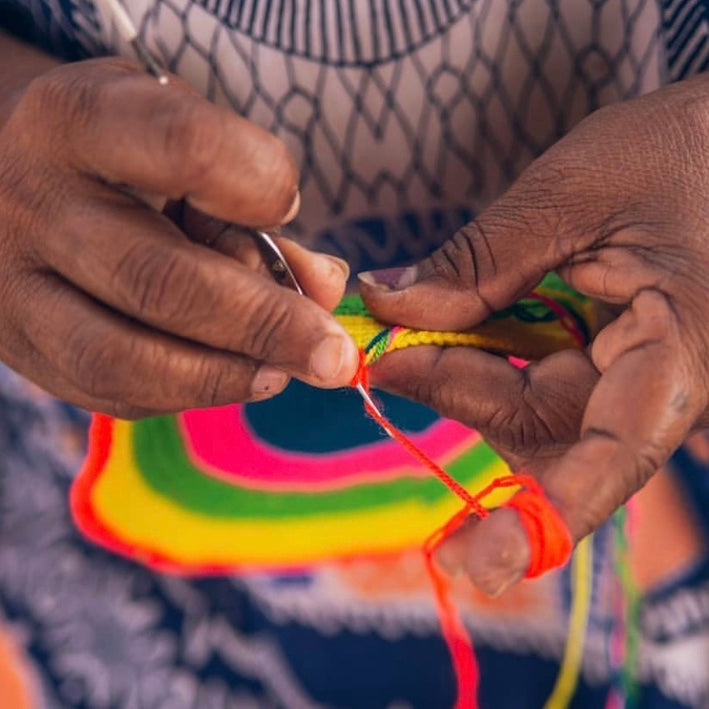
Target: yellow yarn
{"type": "Point", "coordinates": [503, 335]}
{"type": "Point", "coordinates": [581, 588]}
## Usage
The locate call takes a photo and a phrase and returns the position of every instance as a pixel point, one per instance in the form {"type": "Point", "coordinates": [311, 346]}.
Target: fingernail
{"type": "Point", "coordinates": [501, 553]}
{"type": "Point", "coordinates": [390, 279]}
{"type": "Point", "coordinates": [333, 358]}
{"type": "Point", "coordinates": [268, 380]}
{"type": "Point", "coordinates": [497, 591]}
{"type": "Point", "coordinates": [340, 264]}
{"type": "Point", "coordinates": [447, 558]}
{"type": "Point", "coordinates": [293, 211]}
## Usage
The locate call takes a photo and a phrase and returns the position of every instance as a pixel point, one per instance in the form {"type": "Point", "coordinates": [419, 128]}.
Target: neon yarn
{"type": "Point", "coordinates": [548, 537]}
{"type": "Point", "coordinates": [454, 633]}
{"type": "Point", "coordinates": [203, 492]}
{"type": "Point", "coordinates": [581, 591]}
{"type": "Point", "coordinates": [551, 318]}
{"type": "Point", "coordinates": [550, 542]}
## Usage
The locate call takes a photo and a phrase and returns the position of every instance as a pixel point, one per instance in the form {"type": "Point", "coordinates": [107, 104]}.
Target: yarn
{"type": "Point", "coordinates": [550, 543]}
{"type": "Point", "coordinates": [362, 377]}
{"type": "Point", "coordinates": [201, 493]}
{"type": "Point", "coordinates": [627, 630]}
{"type": "Point", "coordinates": [581, 590]}
{"type": "Point", "coordinates": [551, 318]}
{"type": "Point", "coordinates": [549, 540]}
{"type": "Point", "coordinates": [454, 633]}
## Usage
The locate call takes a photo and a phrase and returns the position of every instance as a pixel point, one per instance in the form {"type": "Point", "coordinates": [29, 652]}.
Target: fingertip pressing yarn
{"type": "Point", "coordinates": [549, 539]}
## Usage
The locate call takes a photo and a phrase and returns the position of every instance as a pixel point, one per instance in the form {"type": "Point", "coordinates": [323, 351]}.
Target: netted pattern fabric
{"type": "Point", "coordinates": [66, 28]}
{"type": "Point", "coordinates": [685, 26]}
{"type": "Point", "coordinates": [400, 137]}
{"type": "Point", "coordinates": [393, 106]}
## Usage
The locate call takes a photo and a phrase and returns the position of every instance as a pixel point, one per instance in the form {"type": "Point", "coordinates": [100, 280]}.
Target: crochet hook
{"type": "Point", "coordinates": [275, 261]}
{"type": "Point", "coordinates": [283, 275]}
{"type": "Point", "coordinates": [128, 32]}
{"type": "Point", "coordinates": [271, 254]}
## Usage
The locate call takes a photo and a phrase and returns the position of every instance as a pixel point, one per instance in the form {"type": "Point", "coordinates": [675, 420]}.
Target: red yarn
{"type": "Point", "coordinates": [362, 377]}
{"type": "Point", "coordinates": [460, 647]}
{"type": "Point", "coordinates": [565, 318]}
{"type": "Point", "coordinates": [549, 541]}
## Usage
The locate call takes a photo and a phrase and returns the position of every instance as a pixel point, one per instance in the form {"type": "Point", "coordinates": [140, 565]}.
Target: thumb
{"type": "Point", "coordinates": [487, 265]}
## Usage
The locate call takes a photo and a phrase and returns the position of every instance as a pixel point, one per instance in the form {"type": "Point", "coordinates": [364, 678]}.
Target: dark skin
{"type": "Point", "coordinates": [108, 303]}
{"type": "Point", "coordinates": [618, 207]}
{"type": "Point", "coordinates": [111, 304]}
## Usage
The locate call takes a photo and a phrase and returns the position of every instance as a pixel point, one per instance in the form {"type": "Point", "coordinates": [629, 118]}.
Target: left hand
{"type": "Point", "coordinates": [619, 208]}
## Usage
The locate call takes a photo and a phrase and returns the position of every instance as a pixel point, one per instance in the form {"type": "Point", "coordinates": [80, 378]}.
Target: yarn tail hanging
{"type": "Point", "coordinates": [629, 598]}
{"type": "Point", "coordinates": [581, 590]}
{"type": "Point", "coordinates": [454, 632]}
{"type": "Point", "coordinates": [550, 542]}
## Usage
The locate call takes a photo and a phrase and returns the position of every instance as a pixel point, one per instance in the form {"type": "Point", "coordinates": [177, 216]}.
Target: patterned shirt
{"type": "Point", "coordinates": [407, 117]}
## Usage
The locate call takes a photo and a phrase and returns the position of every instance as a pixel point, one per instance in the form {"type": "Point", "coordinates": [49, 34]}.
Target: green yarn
{"type": "Point", "coordinates": [526, 309]}
{"type": "Point", "coordinates": [352, 305]}
{"type": "Point", "coordinates": [631, 598]}
{"type": "Point", "coordinates": [168, 470]}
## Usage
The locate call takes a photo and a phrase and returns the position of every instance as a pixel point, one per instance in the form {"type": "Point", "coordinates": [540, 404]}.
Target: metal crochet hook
{"type": "Point", "coordinates": [283, 275]}
{"type": "Point", "coordinates": [129, 33]}
{"type": "Point", "coordinates": [276, 261]}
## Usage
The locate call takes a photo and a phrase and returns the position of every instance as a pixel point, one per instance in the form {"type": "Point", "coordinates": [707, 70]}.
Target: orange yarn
{"type": "Point", "coordinates": [550, 543]}
{"type": "Point", "coordinates": [362, 377]}
{"type": "Point", "coordinates": [460, 647]}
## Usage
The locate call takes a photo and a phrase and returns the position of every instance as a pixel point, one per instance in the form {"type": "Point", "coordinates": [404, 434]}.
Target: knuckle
{"type": "Point", "coordinates": [68, 99]}
{"type": "Point", "coordinates": [128, 412]}
{"type": "Point", "coordinates": [510, 428]}
{"type": "Point", "coordinates": [646, 462]}
{"type": "Point", "coordinates": [212, 385]}
{"type": "Point", "coordinates": [549, 416]}
{"type": "Point", "coordinates": [466, 260]}
{"type": "Point", "coordinates": [98, 365]}
{"type": "Point", "coordinates": [456, 260]}
{"type": "Point", "coordinates": [523, 426]}
{"type": "Point", "coordinates": [270, 321]}
{"type": "Point", "coordinates": [157, 283]}
{"type": "Point", "coordinates": [281, 175]}
{"type": "Point", "coordinates": [432, 389]}
{"type": "Point", "coordinates": [443, 391]}
{"type": "Point", "coordinates": [191, 134]}
{"type": "Point", "coordinates": [426, 392]}
{"type": "Point", "coordinates": [34, 203]}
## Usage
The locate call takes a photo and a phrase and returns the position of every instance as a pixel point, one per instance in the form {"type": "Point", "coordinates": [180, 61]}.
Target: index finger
{"type": "Point", "coordinates": [139, 263]}
{"type": "Point", "coordinates": [121, 125]}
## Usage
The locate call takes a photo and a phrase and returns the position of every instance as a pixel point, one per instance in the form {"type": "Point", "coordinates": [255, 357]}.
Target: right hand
{"type": "Point", "coordinates": [104, 301]}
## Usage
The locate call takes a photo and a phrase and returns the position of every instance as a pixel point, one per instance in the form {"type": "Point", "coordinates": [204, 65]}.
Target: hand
{"type": "Point", "coordinates": [619, 208]}
{"type": "Point", "coordinates": [104, 301]}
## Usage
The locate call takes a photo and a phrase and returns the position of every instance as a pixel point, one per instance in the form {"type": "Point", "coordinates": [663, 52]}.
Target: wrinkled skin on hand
{"type": "Point", "coordinates": [108, 303]}
{"type": "Point", "coordinates": [619, 208]}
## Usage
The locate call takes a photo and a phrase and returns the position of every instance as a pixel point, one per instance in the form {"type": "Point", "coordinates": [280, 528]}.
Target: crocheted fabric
{"type": "Point", "coordinates": [216, 490]}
